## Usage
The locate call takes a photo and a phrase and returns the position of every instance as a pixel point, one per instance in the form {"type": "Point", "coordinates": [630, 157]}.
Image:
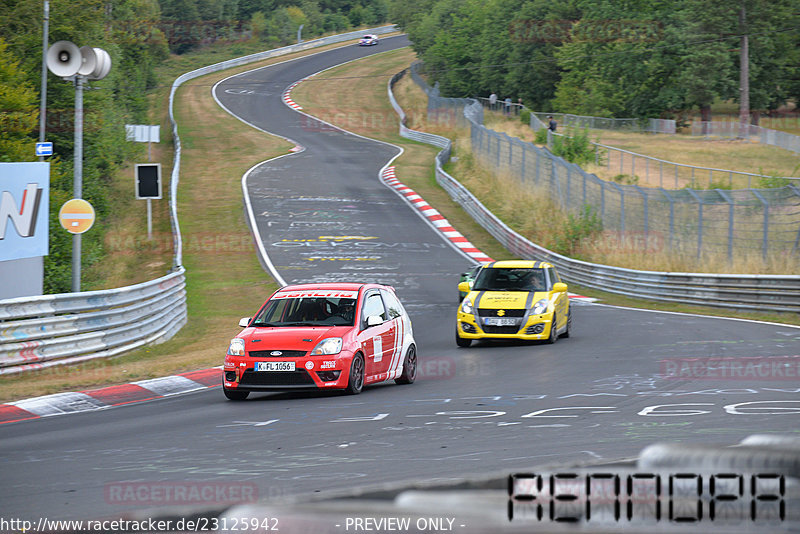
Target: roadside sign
{"type": "Point", "coordinates": [44, 149]}
{"type": "Point", "coordinates": [76, 216]}
{"type": "Point", "coordinates": [148, 180]}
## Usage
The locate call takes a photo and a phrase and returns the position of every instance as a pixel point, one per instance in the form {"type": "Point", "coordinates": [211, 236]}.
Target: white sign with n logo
{"type": "Point", "coordinates": [24, 209]}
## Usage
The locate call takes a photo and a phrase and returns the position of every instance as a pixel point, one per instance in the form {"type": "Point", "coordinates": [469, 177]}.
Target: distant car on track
{"type": "Point", "coordinates": [468, 277]}
{"type": "Point", "coordinates": [368, 40]}
{"type": "Point", "coordinates": [322, 336]}
{"type": "Point", "coordinates": [523, 300]}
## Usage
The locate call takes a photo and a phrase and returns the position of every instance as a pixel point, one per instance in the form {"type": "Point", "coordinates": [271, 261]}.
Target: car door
{"type": "Point", "coordinates": [561, 299]}
{"type": "Point", "coordinates": [377, 341]}
{"type": "Point", "coordinates": [401, 326]}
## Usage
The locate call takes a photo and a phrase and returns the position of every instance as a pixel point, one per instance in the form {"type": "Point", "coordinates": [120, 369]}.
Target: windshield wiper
{"type": "Point", "coordinates": [258, 323]}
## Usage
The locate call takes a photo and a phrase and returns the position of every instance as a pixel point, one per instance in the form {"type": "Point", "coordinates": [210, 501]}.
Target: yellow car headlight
{"type": "Point", "coordinates": [540, 307]}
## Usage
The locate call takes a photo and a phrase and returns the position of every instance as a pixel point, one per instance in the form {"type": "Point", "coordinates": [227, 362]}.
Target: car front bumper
{"type": "Point", "coordinates": [311, 372]}
{"type": "Point", "coordinates": [535, 327]}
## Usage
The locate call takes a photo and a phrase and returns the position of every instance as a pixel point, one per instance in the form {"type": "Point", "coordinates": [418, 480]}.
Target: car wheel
{"type": "Point", "coordinates": [235, 395]}
{"type": "Point", "coordinates": [569, 324]}
{"type": "Point", "coordinates": [355, 383]}
{"type": "Point", "coordinates": [553, 331]}
{"type": "Point", "coordinates": [409, 367]}
{"type": "Point", "coordinates": [461, 342]}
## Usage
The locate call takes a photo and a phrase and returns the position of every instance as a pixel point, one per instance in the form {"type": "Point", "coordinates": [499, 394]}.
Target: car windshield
{"type": "Point", "coordinates": [499, 279]}
{"type": "Point", "coordinates": [307, 311]}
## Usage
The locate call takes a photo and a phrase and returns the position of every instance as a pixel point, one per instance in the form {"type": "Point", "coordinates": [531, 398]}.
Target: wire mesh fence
{"type": "Point", "coordinates": [734, 129]}
{"type": "Point", "coordinates": [732, 222]}
{"type": "Point", "coordinates": [567, 120]}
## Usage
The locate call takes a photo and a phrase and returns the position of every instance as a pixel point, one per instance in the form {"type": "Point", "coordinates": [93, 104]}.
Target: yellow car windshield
{"type": "Point", "coordinates": [499, 279]}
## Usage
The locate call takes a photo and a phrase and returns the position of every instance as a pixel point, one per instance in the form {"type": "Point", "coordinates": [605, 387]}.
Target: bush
{"type": "Point", "coordinates": [626, 179]}
{"type": "Point", "coordinates": [578, 229]}
{"type": "Point", "coordinates": [541, 136]}
{"type": "Point", "coordinates": [574, 147]}
{"type": "Point", "coordinates": [525, 116]}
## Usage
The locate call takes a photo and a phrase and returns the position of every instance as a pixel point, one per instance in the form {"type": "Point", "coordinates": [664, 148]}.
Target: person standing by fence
{"type": "Point", "coordinates": [551, 123]}
{"type": "Point", "coordinates": [492, 101]}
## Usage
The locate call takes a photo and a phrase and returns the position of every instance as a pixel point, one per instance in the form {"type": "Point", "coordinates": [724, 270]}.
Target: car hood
{"type": "Point", "coordinates": [302, 338]}
{"type": "Point", "coordinates": [506, 299]}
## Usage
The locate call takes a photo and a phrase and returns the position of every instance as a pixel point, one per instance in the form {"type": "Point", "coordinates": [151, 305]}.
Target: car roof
{"type": "Point", "coordinates": [517, 264]}
{"type": "Point", "coordinates": [331, 286]}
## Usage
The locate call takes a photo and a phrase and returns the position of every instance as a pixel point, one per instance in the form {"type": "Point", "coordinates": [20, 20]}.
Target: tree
{"type": "Point", "coordinates": [20, 113]}
{"type": "Point", "coordinates": [258, 23]}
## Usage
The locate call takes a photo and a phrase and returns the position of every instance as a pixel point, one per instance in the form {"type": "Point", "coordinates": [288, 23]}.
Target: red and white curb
{"type": "Point", "coordinates": [108, 397]}
{"type": "Point", "coordinates": [286, 96]}
{"type": "Point", "coordinates": [437, 219]}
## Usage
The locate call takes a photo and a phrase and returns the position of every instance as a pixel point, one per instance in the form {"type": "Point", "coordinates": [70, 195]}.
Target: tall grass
{"type": "Point", "coordinates": [534, 214]}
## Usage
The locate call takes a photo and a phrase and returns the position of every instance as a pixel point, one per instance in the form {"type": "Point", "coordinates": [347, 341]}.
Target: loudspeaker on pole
{"type": "Point", "coordinates": [64, 59]}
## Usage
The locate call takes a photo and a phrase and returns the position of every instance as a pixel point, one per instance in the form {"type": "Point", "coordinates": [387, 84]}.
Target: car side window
{"type": "Point", "coordinates": [393, 305]}
{"type": "Point", "coordinates": [552, 277]}
{"type": "Point", "coordinates": [373, 306]}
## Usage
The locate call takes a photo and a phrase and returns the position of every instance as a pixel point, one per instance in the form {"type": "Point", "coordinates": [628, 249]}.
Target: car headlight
{"type": "Point", "coordinates": [236, 348]}
{"type": "Point", "coordinates": [540, 307]}
{"type": "Point", "coordinates": [466, 306]}
{"type": "Point", "coordinates": [331, 345]}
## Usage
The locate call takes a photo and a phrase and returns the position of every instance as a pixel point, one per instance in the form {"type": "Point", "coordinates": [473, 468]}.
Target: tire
{"type": "Point", "coordinates": [553, 331]}
{"type": "Point", "coordinates": [461, 342]}
{"type": "Point", "coordinates": [409, 367]}
{"type": "Point", "coordinates": [235, 395]}
{"type": "Point", "coordinates": [569, 324]}
{"type": "Point", "coordinates": [355, 382]}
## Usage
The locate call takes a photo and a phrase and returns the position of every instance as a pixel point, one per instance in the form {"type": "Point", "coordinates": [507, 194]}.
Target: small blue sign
{"type": "Point", "coordinates": [44, 149]}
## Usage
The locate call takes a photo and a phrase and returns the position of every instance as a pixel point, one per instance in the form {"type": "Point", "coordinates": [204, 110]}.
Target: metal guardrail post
{"type": "Point", "coordinates": [699, 221]}
{"type": "Point", "coordinates": [671, 216]}
{"type": "Point", "coordinates": [621, 205]}
{"type": "Point", "coordinates": [644, 207]}
{"type": "Point", "coordinates": [730, 202]}
{"type": "Point", "coordinates": [760, 197]}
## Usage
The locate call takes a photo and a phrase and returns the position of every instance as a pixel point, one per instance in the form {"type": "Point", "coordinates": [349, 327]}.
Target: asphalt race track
{"type": "Point", "coordinates": [323, 214]}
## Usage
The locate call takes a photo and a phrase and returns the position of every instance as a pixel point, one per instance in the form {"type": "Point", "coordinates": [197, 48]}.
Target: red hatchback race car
{"type": "Point", "coordinates": [322, 336]}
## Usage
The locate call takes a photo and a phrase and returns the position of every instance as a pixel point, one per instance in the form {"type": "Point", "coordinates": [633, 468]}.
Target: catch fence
{"type": "Point", "coordinates": [735, 222]}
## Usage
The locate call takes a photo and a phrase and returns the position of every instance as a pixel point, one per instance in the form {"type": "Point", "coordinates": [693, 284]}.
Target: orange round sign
{"type": "Point", "coordinates": [76, 216]}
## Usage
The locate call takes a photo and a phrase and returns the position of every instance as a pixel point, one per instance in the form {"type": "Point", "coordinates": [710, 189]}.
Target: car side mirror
{"type": "Point", "coordinates": [464, 287]}
{"type": "Point", "coordinates": [560, 287]}
{"type": "Point", "coordinates": [374, 320]}
{"type": "Point", "coordinates": [244, 321]}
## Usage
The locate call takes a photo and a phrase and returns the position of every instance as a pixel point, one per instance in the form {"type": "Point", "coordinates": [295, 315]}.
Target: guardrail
{"type": "Point", "coordinates": [48, 330]}
{"type": "Point", "coordinates": [39, 332]}
{"type": "Point", "coordinates": [746, 292]}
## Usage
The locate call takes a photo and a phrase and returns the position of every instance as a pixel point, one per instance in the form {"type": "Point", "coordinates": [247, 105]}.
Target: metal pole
{"type": "Point", "coordinates": [77, 180]}
{"type": "Point", "coordinates": [43, 104]}
{"type": "Point", "coordinates": [299, 30]}
{"type": "Point", "coordinates": [149, 219]}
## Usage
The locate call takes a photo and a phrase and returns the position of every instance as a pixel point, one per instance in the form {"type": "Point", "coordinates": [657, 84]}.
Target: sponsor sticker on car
{"type": "Point", "coordinates": [315, 294]}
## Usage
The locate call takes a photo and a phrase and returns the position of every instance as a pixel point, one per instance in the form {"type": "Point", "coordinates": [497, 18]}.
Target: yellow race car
{"type": "Point", "coordinates": [514, 300]}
